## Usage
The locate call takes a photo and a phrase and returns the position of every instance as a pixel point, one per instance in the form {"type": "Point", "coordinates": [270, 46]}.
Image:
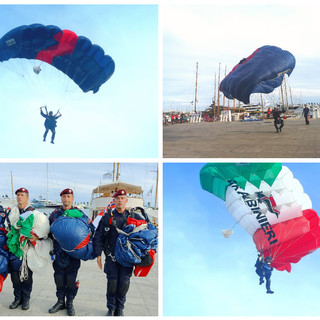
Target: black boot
{"type": "Point", "coordinates": [25, 305]}
{"type": "Point", "coordinates": [15, 303]}
{"type": "Point", "coordinates": [110, 313]}
{"type": "Point", "coordinates": [60, 305]}
{"type": "Point", "coordinates": [119, 313]}
{"type": "Point", "coordinates": [70, 308]}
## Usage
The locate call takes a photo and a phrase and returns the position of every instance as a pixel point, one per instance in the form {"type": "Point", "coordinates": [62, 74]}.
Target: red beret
{"type": "Point", "coordinates": [120, 192]}
{"type": "Point", "coordinates": [66, 191]}
{"type": "Point", "coordinates": [22, 190]}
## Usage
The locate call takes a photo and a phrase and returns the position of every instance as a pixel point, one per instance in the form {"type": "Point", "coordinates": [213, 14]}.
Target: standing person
{"type": "Point", "coordinates": [268, 113]}
{"type": "Point", "coordinates": [306, 112]}
{"type": "Point", "coordinates": [50, 123]}
{"type": "Point", "coordinates": [118, 276]}
{"type": "Point", "coordinates": [277, 119]}
{"type": "Point", "coordinates": [65, 267]}
{"type": "Point", "coordinates": [21, 289]}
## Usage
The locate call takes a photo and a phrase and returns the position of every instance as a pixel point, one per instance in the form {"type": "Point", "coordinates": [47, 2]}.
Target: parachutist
{"type": "Point", "coordinates": [64, 265]}
{"type": "Point", "coordinates": [118, 276]}
{"type": "Point", "coordinates": [264, 270]}
{"type": "Point", "coordinates": [278, 122]}
{"type": "Point", "coordinates": [50, 123]}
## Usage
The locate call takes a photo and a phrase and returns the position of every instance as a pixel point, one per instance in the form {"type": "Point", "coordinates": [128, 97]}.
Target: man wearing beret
{"type": "Point", "coordinates": [21, 289]}
{"type": "Point", "coordinates": [65, 267]}
{"type": "Point", "coordinates": [118, 276]}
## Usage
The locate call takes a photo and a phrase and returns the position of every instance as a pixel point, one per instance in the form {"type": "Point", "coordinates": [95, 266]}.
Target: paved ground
{"type": "Point", "coordinates": [142, 299]}
{"type": "Point", "coordinates": [256, 139]}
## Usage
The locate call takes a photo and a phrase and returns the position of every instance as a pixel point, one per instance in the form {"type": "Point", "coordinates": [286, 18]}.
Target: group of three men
{"type": "Point", "coordinates": [66, 267]}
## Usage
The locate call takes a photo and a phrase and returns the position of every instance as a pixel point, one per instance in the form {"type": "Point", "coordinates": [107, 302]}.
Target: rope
{"type": "Point", "coordinates": [24, 274]}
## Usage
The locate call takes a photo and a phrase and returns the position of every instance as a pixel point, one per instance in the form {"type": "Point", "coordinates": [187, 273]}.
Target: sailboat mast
{"type": "Point", "coordinates": [156, 196]}
{"type": "Point", "coordinates": [285, 91]}
{"type": "Point", "coordinates": [214, 95]}
{"type": "Point", "coordinates": [195, 95]}
{"type": "Point", "coordinates": [114, 169]}
{"type": "Point", "coordinates": [117, 176]}
{"type": "Point", "coordinates": [47, 186]}
{"type": "Point", "coordinates": [224, 97]}
{"type": "Point", "coordinates": [282, 99]}
{"type": "Point", "coordinates": [262, 105]}
{"type": "Point", "coordinates": [12, 187]}
{"type": "Point", "coordinates": [218, 90]}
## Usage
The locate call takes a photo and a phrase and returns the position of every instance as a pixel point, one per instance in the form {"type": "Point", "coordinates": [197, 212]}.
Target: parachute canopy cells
{"type": "Point", "coordinates": [262, 71]}
{"type": "Point", "coordinates": [85, 63]}
{"type": "Point", "coordinates": [270, 204]}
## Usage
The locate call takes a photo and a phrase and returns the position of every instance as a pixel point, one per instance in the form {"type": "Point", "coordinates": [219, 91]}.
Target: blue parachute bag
{"type": "Point", "coordinates": [4, 262]}
{"type": "Point", "coordinates": [3, 237]}
{"type": "Point", "coordinates": [134, 243]}
{"type": "Point", "coordinates": [74, 237]}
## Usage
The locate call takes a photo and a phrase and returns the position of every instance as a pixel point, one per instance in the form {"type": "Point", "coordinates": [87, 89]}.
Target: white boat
{"type": "Point", "coordinates": [102, 195]}
{"type": "Point", "coordinates": [6, 202]}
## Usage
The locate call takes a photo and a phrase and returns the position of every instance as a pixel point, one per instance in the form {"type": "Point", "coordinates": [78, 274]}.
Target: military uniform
{"type": "Point", "coordinates": [21, 289]}
{"type": "Point", "coordinates": [65, 268]}
{"type": "Point", "coordinates": [118, 276]}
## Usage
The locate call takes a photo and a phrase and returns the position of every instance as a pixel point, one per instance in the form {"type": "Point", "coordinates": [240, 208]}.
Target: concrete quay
{"type": "Point", "coordinates": [254, 139]}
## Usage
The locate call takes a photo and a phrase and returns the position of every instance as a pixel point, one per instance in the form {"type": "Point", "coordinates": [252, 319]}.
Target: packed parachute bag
{"type": "Point", "coordinates": [74, 235]}
{"type": "Point", "coordinates": [4, 253]}
{"type": "Point", "coordinates": [25, 253]}
{"type": "Point", "coordinates": [137, 243]}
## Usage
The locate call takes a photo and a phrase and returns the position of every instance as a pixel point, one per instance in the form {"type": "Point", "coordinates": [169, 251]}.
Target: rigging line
{"type": "Point", "coordinates": [292, 241]}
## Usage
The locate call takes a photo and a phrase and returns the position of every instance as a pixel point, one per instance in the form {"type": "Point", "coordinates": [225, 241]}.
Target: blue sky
{"type": "Point", "coordinates": [119, 121]}
{"type": "Point", "coordinates": [81, 177]}
{"type": "Point", "coordinates": [206, 274]}
{"type": "Point", "coordinates": [226, 32]}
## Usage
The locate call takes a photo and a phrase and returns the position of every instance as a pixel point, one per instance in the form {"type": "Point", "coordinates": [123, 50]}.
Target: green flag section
{"type": "Point", "coordinates": [24, 227]}
{"type": "Point", "coordinates": [73, 213]}
{"type": "Point", "coordinates": [214, 176]}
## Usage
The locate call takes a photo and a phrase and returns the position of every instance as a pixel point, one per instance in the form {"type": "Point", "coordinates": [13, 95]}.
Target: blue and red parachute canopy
{"type": "Point", "coordinates": [262, 72]}
{"type": "Point", "coordinates": [85, 63]}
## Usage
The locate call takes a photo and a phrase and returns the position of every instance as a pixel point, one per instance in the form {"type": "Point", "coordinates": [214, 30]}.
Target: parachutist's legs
{"type": "Point", "coordinates": [71, 273]}
{"type": "Point", "coordinates": [53, 134]}
{"type": "Point", "coordinates": [27, 286]}
{"type": "Point", "coordinates": [59, 280]}
{"type": "Point", "coordinates": [261, 275]}
{"type": "Point", "coordinates": [281, 125]}
{"type": "Point", "coordinates": [17, 285]}
{"type": "Point", "coordinates": [111, 269]}
{"type": "Point", "coordinates": [268, 279]}
{"type": "Point", "coordinates": [45, 134]}
{"type": "Point", "coordinates": [123, 286]}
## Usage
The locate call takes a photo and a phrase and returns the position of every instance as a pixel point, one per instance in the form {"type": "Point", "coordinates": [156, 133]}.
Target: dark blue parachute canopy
{"type": "Point", "coordinates": [262, 71]}
{"type": "Point", "coordinates": [85, 63]}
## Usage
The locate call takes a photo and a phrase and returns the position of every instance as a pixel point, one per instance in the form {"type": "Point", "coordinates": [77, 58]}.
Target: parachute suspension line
{"type": "Point", "coordinates": [292, 242]}
{"type": "Point", "coordinates": [228, 232]}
